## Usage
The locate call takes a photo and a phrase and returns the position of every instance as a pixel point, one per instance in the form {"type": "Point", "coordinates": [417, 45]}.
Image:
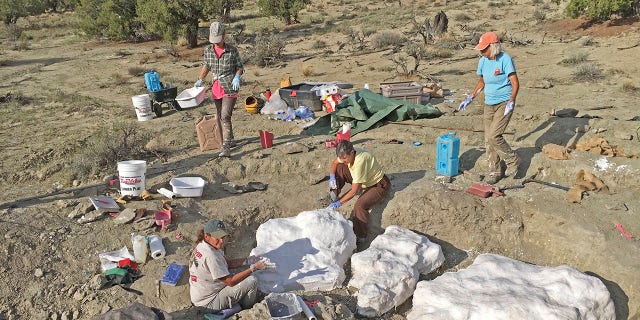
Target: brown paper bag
{"type": "Point", "coordinates": [209, 132]}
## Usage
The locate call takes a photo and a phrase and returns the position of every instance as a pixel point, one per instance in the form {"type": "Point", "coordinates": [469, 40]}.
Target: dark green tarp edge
{"type": "Point", "coordinates": [366, 109]}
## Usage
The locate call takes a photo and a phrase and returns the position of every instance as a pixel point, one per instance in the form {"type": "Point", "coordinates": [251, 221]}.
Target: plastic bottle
{"type": "Point", "coordinates": [290, 115]}
{"type": "Point", "coordinates": [140, 250]}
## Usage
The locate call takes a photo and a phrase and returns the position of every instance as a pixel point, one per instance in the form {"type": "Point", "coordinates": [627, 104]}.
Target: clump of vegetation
{"type": "Point", "coordinates": [599, 10]}
{"type": "Point", "coordinates": [576, 58]}
{"type": "Point", "coordinates": [110, 144]}
{"type": "Point", "coordinates": [319, 44]}
{"type": "Point", "coordinates": [266, 50]}
{"type": "Point", "coordinates": [587, 41]}
{"type": "Point", "coordinates": [587, 72]}
{"type": "Point", "coordinates": [136, 71]}
{"type": "Point", "coordinates": [630, 87]}
{"type": "Point", "coordinates": [386, 39]}
{"type": "Point", "coordinates": [539, 15]}
{"type": "Point", "coordinates": [462, 17]}
{"type": "Point", "coordinates": [286, 10]}
{"type": "Point", "coordinates": [308, 70]}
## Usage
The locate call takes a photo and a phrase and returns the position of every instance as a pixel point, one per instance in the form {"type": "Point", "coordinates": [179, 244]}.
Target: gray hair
{"type": "Point", "coordinates": [343, 148]}
{"type": "Point", "coordinates": [494, 49]}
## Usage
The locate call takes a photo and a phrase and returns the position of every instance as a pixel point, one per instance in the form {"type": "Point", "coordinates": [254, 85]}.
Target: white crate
{"type": "Point", "coordinates": [191, 97]}
{"type": "Point", "coordinates": [187, 186]}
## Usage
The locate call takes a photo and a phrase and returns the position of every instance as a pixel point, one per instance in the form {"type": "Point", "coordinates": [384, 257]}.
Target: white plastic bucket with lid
{"type": "Point", "coordinates": [131, 174]}
{"type": "Point", "coordinates": [142, 105]}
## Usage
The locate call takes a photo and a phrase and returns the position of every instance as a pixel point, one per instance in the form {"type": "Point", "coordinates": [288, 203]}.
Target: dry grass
{"type": "Point", "coordinates": [575, 58]}
{"type": "Point", "coordinates": [307, 70]}
{"type": "Point", "coordinates": [110, 144]}
{"type": "Point", "coordinates": [630, 87]}
{"type": "Point", "coordinates": [587, 72]}
{"type": "Point", "coordinates": [136, 71]}
{"type": "Point", "coordinates": [385, 39]}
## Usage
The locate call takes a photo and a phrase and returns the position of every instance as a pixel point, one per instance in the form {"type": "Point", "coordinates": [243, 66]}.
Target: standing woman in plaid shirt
{"type": "Point", "coordinates": [225, 64]}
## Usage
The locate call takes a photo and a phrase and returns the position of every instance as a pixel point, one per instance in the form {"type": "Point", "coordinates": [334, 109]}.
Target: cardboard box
{"type": "Point", "coordinates": [209, 133]}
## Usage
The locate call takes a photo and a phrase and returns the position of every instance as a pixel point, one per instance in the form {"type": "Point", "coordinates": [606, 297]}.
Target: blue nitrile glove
{"type": "Point", "coordinates": [333, 184]}
{"type": "Point", "coordinates": [334, 205]}
{"type": "Point", "coordinates": [235, 84]}
{"type": "Point", "coordinates": [465, 103]}
{"type": "Point", "coordinates": [508, 108]}
{"type": "Point", "coordinates": [198, 83]}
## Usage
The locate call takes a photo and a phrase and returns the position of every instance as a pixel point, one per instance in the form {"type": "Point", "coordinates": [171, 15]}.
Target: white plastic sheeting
{"type": "Point", "coordinates": [497, 287]}
{"type": "Point", "coordinates": [309, 251]}
{"type": "Point", "coordinates": [387, 272]}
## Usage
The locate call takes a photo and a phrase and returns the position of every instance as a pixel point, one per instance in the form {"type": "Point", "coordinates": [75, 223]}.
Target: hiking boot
{"type": "Point", "coordinates": [225, 152]}
{"type": "Point", "coordinates": [512, 169]}
{"type": "Point", "coordinates": [492, 178]}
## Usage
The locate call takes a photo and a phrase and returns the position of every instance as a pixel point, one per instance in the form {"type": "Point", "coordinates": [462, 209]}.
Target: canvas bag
{"type": "Point", "coordinates": [209, 132]}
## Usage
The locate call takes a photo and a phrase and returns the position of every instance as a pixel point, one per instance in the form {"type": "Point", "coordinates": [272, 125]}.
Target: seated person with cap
{"type": "Point", "coordinates": [212, 286]}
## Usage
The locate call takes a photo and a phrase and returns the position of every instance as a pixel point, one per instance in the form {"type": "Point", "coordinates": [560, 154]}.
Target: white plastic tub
{"type": "Point", "coordinates": [283, 306]}
{"type": "Point", "coordinates": [187, 186]}
{"type": "Point", "coordinates": [191, 97]}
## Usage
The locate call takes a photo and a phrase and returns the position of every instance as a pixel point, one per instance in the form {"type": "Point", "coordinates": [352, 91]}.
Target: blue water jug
{"type": "Point", "coordinates": [447, 153]}
{"type": "Point", "coordinates": [152, 80]}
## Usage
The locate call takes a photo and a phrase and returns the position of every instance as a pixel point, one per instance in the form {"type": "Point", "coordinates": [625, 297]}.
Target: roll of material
{"type": "Point", "coordinates": [155, 247]}
{"type": "Point", "coordinates": [167, 193]}
{"type": "Point", "coordinates": [306, 310]}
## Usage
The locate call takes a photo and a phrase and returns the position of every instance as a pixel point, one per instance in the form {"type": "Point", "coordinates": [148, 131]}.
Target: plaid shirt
{"type": "Point", "coordinates": [223, 69]}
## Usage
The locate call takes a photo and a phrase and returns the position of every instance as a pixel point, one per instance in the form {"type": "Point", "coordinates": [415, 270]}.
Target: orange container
{"type": "Point", "coordinates": [266, 139]}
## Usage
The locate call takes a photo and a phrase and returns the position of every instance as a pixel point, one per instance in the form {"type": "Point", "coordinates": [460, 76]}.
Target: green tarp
{"type": "Point", "coordinates": [366, 109]}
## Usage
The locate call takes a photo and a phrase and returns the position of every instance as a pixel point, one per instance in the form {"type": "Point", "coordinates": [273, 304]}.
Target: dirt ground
{"type": "Point", "coordinates": [68, 87]}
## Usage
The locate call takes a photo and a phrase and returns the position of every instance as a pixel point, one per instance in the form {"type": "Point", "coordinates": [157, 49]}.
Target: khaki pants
{"type": "Point", "coordinates": [495, 124]}
{"type": "Point", "coordinates": [224, 110]}
{"type": "Point", "coordinates": [243, 293]}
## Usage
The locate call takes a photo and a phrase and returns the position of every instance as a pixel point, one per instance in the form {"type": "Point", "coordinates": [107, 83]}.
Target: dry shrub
{"type": "Point", "coordinates": [267, 50]}
{"type": "Point", "coordinates": [587, 72]}
{"type": "Point", "coordinates": [110, 144]}
{"type": "Point", "coordinates": [319, 44]}
{"type": "Point", "coordinates": [308, 70]}
{"type": "Point", "coordinates": [576, 58]}
{"type": "Point", "coordinates": [136, 71]}
{"type": "Point", "coordinates": [539, 15]}
{"type": "Point", "coordinates": [117, 79]}
{"type": "Point", "coordinates": [440, 53]}
{"type": "Point", "coordinates": [587, 41]}
{"type": "Point", "coordinates": [462, 17]}
{"type": "Point", "coordinates": [385, 39]}
{"type": "Point", "coordinates": [630, 87]}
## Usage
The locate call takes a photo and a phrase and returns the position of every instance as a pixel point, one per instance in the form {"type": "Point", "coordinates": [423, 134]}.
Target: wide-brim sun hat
{"type": "Point", "coordinates": [486, 39]}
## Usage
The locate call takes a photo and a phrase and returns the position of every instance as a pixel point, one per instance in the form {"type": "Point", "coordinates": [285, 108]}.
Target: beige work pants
{"type": "Point", "coordinates": [495, 124]}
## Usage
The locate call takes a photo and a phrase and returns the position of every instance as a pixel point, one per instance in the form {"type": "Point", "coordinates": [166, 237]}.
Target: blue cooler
{"type": "Point", "coordinates": [152, 80]}
{"type": "Point", "coordinates": [447, 154]}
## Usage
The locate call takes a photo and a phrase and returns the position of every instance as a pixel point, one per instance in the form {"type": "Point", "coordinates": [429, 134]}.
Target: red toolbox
{"type": "Point", "coordinates": [483, 190]}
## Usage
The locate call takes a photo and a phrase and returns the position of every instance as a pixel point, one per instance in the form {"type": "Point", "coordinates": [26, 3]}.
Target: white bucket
{"type": "Point", "coordinates": [131, 175]}
{"type": "Point", "coordinates": [142, 105]}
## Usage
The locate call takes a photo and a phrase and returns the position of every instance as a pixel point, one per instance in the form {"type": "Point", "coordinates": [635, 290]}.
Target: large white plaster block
{"type": "Point", "coordinates": [387, 272]}
{"type": "Point", "coordinates": [309, 251]}
{"type": "Point", "coordinates": [497, 287]}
